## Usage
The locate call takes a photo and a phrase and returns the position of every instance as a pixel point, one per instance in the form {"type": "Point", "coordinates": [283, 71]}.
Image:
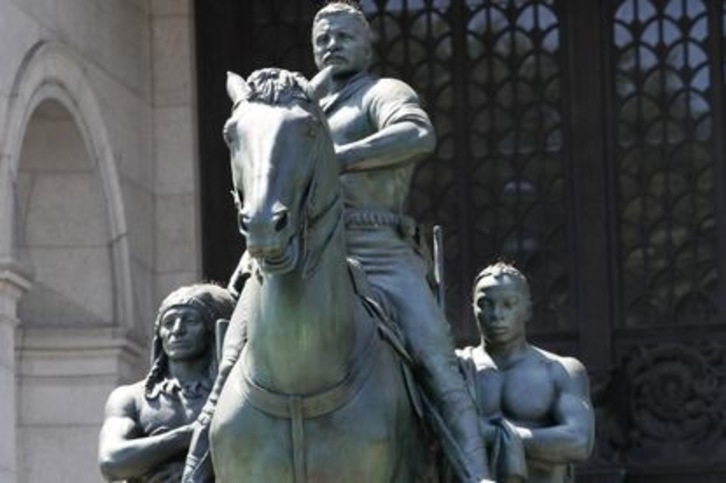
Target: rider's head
{"type": "Point", "coordinates": [342, 39]}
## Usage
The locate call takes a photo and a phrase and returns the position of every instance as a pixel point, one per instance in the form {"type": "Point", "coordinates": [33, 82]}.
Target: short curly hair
{"type": "Point", "coordinates": [344, 8]}
{"type": "Point", "coordinates": [500, 270]}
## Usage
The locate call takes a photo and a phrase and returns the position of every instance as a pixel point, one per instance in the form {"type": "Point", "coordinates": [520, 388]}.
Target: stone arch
{"type": "Point", "coordinates": [61, 228]}
{"type": "Point", "coordinates": [51, 74]}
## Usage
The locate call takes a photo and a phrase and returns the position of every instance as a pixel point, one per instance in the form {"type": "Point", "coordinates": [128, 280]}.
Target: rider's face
{"type": "Point", "coordinates": [343, 42]}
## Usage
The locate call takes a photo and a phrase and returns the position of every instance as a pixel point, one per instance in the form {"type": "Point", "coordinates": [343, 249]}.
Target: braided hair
{"type": "Point", "coordinates": [211, 301]}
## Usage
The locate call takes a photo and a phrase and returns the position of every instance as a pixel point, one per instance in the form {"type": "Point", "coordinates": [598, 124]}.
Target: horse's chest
{"type": "Point", "coordinates": [257, 439]}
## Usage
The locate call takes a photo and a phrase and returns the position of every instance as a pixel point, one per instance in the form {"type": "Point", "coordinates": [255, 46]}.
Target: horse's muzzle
{"type": "Point", "coordinates": [276, 260]}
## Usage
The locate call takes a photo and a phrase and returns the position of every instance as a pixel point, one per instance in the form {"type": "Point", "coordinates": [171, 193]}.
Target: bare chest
{"type": "Point", "coordinates": [522, 393]}
{"type": "Point", "coordinates": [168, 412]}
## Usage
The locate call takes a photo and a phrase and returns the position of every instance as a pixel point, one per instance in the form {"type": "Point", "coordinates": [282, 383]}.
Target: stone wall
{"type": "Point", "coordinates": [98, 213]}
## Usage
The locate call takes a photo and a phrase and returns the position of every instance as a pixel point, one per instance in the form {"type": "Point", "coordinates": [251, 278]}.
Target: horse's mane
{"type": "Point", "coordinates": [277, 86]}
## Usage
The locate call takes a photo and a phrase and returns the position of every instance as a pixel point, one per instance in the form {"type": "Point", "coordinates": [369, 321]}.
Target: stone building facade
{"type": "Point", "coordinates": [98, 214]}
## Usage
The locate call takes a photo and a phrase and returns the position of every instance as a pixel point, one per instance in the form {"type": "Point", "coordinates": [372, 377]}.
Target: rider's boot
{"type": "Point", "coordinates": [448, 389]}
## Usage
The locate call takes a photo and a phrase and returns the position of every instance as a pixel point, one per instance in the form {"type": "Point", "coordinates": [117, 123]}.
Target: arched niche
{"type": "Point", "coordinates": [62, 232]}
{"type": "Point", "coordinates": [62, 222]}
{"type": "Point", "coordinates": [52, 83]}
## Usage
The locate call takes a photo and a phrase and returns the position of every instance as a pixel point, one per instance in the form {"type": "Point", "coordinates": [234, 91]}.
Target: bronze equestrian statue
{"type": "Point", "coordinates": [316, 394]}
{"type": "Point", "coordinates": [379, 132]}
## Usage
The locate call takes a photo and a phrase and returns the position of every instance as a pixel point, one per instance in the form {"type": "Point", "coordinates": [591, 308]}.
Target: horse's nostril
{"type": "Point", "coordinates": [256, 252]}
{"type": "Point", "coordinates": [281, 221]}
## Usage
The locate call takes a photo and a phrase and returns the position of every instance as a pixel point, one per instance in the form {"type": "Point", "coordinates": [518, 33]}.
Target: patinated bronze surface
{"type": "Point", "coordinates": [379, 131]}
{"type": "Point", "coordinates": [535, 405]}
{"type": "Point", "coordinates": [148, 425]}
{"type": "Point", "coordinates": [315, 395]}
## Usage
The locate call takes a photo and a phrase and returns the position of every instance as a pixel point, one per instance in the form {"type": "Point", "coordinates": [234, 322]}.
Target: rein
{"type": "Point", "coordinates": [320, 226]}
{"type": "Point", "coordinates": [314, 223]}
{"type": "Point", "coordinates": [311, 227]}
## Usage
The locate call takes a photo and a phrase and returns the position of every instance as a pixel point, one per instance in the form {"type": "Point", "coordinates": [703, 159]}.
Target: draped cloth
{"type": "Point", "coordinates": [507, 459]}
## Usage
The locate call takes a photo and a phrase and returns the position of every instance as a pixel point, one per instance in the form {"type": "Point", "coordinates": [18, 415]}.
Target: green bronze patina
{"type": "Point", "coordinates": [315, 395]}
{"type": "Point", "coordinates": [379, 132]}
{"type": "Point", "coordinates": [148, 425]}
{"type": "Point", "coordinates": [535, 405]}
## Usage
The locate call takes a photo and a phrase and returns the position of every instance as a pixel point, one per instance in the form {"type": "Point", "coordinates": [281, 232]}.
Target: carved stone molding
{"type": "Point", "coordinates": [678, 395]}
{"type": "Point", "coordinates": [14, 281]}
{"type": "Point", "coordinates": [665, 404]}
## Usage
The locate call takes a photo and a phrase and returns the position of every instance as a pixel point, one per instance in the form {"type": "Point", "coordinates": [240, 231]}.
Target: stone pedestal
{"type": "Point", "coordinates": [64, 377]}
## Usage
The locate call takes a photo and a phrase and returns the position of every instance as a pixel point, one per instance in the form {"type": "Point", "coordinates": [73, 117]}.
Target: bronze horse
{"type": "Point", "coordinates": [316, 395]}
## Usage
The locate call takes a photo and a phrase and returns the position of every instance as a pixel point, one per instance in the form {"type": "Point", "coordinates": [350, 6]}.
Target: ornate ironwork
{"type": "Point", "coordinates": [664, 162]}
{"type": "Point", "coordinates": [504, 83]}
{"type": "Point", "coordinates": [490, 74]}
{"type": "Point", "coordinates": [279, 37]}
{"type": "Point", "coordinates": [517, 166]}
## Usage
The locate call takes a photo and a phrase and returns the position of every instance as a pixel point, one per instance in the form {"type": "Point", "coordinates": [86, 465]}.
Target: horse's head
{"type": "Point", "coordinates": [278, 138]}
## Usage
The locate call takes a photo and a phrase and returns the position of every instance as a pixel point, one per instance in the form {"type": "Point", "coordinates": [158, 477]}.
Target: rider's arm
{"type": "Point", "coordinates": [571, 438]}
{"type": "Point", "coordinates": [124, 451]}
{"type": "Point", "coordinates": [404, 133]}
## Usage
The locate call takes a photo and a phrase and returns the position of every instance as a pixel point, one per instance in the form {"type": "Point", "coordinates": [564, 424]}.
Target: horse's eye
{"type": "Point", "coordinates": [243, 223]}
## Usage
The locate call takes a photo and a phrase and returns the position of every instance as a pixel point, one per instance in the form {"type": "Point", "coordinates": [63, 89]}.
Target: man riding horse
{"type": "Point", "coordinates": [380, 131]}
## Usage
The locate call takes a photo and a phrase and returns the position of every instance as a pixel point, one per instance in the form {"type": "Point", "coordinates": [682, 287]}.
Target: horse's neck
{"type": "Point", "coordinates": [303, 338]}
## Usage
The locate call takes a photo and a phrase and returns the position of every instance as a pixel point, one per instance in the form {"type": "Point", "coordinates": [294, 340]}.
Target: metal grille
{"type": "Point", "coordinates": [579, 139]}
{"type": "Point", "coordinates": [664, 162]}
{"type": "Point", "coordinates": [489, 73]}
{"type": "Point", "coordinates": [278, 36]}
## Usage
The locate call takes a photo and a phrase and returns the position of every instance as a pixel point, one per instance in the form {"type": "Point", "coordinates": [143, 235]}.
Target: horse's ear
{"type": "Point", "coordinates": [237, 88]}
{"type": "Point", "coordinates": [318, 85]}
